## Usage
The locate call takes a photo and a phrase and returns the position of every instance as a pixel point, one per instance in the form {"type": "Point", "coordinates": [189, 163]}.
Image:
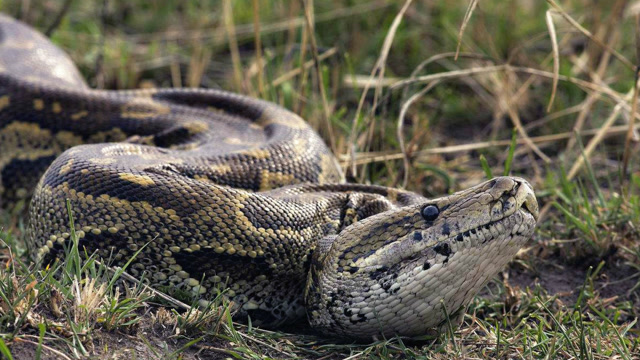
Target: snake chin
{"type": "Point", "coordinates": [405, 275]}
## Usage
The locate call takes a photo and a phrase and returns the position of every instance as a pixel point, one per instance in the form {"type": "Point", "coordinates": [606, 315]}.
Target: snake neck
{"type": "Point", "coordinates": [390, 273]}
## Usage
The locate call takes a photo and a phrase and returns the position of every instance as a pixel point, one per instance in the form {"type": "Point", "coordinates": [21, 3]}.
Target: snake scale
{"type": "Point", "coordinates": [217, 190]}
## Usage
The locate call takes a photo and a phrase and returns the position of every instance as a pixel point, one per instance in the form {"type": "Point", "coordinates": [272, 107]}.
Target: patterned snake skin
{"type": "Point", "coordinates": [220, 191]}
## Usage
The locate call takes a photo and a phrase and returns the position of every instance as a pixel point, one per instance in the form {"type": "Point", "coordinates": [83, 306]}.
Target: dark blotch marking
{"type": "Point", "coordinates": [353, 269]}
{"type": "Point", "coordinates": [459, 237]}
{"type": "Point", "coordinates": [426, 266]}
{"type": "Point", "coordinates": [417, 236]}
{"type": "Point", "coordinates": [378, 273]}
{"type": "Point", "coordinates": [361, 318]}
{"type": "Point", "coordinates": [442, 249]}
{"type": "Point", "coordinates": [348, 312]}
{"type": "Point", "coordinates": [446, 231]}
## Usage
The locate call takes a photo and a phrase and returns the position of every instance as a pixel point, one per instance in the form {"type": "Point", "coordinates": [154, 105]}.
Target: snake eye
{"type": "Point", "coordinates": [430, 212]}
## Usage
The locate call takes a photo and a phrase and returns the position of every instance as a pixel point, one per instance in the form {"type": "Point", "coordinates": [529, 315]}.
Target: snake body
{"type": "Point", "coordinates": [215, 190]}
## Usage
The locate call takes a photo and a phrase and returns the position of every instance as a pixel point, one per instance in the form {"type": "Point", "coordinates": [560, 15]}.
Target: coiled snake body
{"type": "Point", "coordinates": [217, 190]}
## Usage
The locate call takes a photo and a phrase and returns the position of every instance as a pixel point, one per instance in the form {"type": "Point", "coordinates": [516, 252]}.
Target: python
{"type": "Point", "coordinates": [213, 189]}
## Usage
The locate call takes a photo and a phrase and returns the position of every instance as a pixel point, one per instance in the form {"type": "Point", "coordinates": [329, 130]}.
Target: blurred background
{"type": "Point", "coordinates": [267, 49]}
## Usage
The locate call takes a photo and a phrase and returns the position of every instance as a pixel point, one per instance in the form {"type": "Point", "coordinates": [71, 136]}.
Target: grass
{"type": "Point", "coordinates": [542, 90]}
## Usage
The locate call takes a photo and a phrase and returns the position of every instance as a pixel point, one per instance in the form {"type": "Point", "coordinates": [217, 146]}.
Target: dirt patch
{"type": "Point", "coordinates": [615, 279]}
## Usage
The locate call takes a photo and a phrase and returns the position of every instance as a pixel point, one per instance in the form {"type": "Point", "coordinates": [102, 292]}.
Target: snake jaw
{"type": "Point", "coordinates": [399, 287]}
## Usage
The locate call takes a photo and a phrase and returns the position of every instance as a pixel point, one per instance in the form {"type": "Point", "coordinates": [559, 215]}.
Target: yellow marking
{"type": "Point", "coordinates": [142, 180]}
{"type": "Point", "coordinates": [112, 135]}
{"type": "Point", "coordinates": [26, 141]}
{"type": "Point", "coordinates": [102, 161]}
{"type": "Point", "coordinates": [4, 101]}
{"type": "Point", "coordinates": [233, 141]}
{"type": "Point", "coordinates": [275, 116]}
{"type": "Point", "coordinates": [79, 115]}
{"type": "Point", "coordinates": [392, 195]}
{"type": "Point", "coordinates": [38, 104]}
{"type": "Point", "coordinates": [196, 127]}
{"type": "Point", "coordinates": [66, 167]}
{"type": "Point", "coordinates": [217, 110]}
{"type": "Point", "coordinates": [271, 180]}
{"type": "Point", "coordinates": [56, 108]}
{"type": "Point", "coordinates": [202, 178]}
{"type": "Point", "coordinates": [221, 169]}
{"type": "Point", "coordinates": [122, 149]}
{"type": "Point", "coordinates": [256, 126]}
{"type": "Point", "coordinates": [255, 153]}
{"type": "Point", "coordinates": [22, 193]}
{"type": "Point", "coordinates": [68, 139]}
{"type": "Point", "coordinates": [143, 109]}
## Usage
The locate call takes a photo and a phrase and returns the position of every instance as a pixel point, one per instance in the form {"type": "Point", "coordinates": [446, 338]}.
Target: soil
{"type": "Point", "coordinates": [147, 343]}
{"type": "Point", "coordinates": [615, 280]}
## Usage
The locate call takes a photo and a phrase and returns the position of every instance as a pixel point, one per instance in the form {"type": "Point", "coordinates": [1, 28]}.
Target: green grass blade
{"type": "Point", "coordinates": [41, 329]}
{"type": "Point", "coordinates": [485, 167]}
{"type": "Point", "coordinates": [4, 350]}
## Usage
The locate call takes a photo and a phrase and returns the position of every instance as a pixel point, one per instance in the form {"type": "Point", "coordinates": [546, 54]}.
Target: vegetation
{"type": "Point", "coordinates": [383, 83]}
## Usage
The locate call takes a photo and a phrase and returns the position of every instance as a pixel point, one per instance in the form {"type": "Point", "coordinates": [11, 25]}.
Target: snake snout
{"type": "Point", "coordinates": [511, 194]}
{"type": "Point", "coordinates": [526, 198]}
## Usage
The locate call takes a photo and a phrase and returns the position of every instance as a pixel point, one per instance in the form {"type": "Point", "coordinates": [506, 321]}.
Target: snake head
{"type": "Point", "coordinates": [401, 271]}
